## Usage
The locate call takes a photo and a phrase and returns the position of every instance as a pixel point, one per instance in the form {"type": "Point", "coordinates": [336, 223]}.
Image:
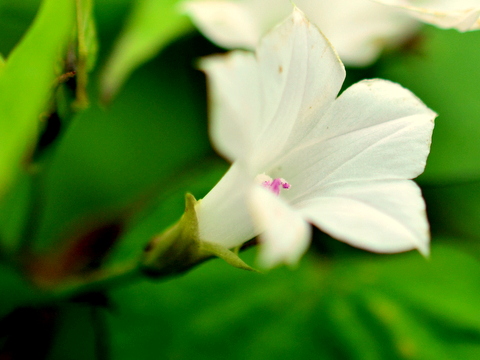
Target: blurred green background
{"type": "Point", "coordinates": [119, 172]}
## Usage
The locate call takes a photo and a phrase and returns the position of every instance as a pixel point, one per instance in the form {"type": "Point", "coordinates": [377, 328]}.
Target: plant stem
{"type": "Point", "coordinates": [103, 280]}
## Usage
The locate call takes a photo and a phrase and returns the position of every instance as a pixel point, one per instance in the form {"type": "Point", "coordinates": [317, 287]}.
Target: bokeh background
{"type": "Point", "coordinates": [114, 175]}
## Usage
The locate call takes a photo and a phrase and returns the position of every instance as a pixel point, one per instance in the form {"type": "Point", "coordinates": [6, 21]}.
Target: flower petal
{"type": "Point", "coordinates": [257, 107]}
{"type": "Point", "coordinates": [358, 29]}
{"type": "Point", "coordinates": [285, 236]}
{"type": "Point", "coordinates": [376, 130]}
{"type": "Point", "coordinates": [462, 15]}
{"type": "Point", "coordinates": [228, 24]}
{"type": "Point", "coordinates": [300, 74]}
{"type": "Point", "coordinates": [386, 217]}
{"type": "Point", "coordinates": [223, 214]}
{"type": "Point", "coordinates": [235, 93]}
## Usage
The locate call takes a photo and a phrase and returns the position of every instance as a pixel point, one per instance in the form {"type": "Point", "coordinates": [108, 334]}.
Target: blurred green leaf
{"type": "Point", "coordinates": [13, 213]}
{"type": "Point", "coordinates": [152, 25]}
{"type": "Point", "coordinates": [443, 72]}
{"type": "Point", "coordinates": [26, 83]}
{"type": "Point", "coordinates": [77, 333]}
{"type": "Point", "coordinates": [14, 289]}
{"type": "Point", "coordinates": [366, 306]}
{"type": "Point", "coordinates": [109, 158]}
{"type": "Point", "coordinates": [444, 294]}
{"type": "Point", "coordinates": [167, 208]}
{"type": "Point", "coordinates": [215, 312]}
{"type": "Point", "coordinates": [415, 308]}
{"type": "Point", "coordinates": [15, 18]}
{"type": "Point", "coordinates": [350, 334]}
{"type": "Point", "coordinates": [454, 210]}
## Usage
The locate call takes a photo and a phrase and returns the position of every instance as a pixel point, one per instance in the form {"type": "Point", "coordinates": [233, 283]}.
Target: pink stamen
{"type": "Point", "coordinates": [276, 185]}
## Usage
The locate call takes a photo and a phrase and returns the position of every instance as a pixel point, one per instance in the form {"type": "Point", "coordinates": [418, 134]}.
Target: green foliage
{"type": "Point", "coordinates": [2, 64]}
{"type": "Point", "coordinates": [15, 17]}
{"type": "Point", "coordinates": [78, 333]}
{"type": "Point", "coordinates": [151, 25]}
{"type": "Point", "coordinates": [143, 144]}
{"type": "Point", "coordinates": [13, 212]}
{"type": "Point", "coordinates": [455, 209]}
{"type": "Point", "coordinates": [15, 290]}
{"type": "Point", "coordinates": [26, 84]}
{"type": "Point", "coordinates": [362, 307]}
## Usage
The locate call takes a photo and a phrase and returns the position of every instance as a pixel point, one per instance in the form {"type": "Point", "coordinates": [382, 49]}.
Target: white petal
{"type": "Point", "coordinates": [462, 15]}
{"type": "Point", "coordinates": [358, 29]}
{"type": "Point", "coordinates": [223, 215]}
{"type": "Point", "coordinates": [376, 130]}
{"type": "Point", "coordinates": [257, 107]}
{"type": "Point", "coordinates": [285, 236]}
{"type": "Point", "coordinates": [382, 217]}
{"type": "Point", "coordinates": [235, 95]}
{"type": "Point", "coordinates": [300, 75]}
{"type": "Point", "coordinates": [228, 24]}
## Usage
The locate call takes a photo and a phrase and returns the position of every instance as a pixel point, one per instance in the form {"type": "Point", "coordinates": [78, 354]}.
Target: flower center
{"type": "Point", "coordinates": [274, 185]}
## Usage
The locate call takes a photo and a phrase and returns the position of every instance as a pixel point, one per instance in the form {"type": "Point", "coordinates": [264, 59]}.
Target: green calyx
{"type": "Point", "coordinates": [180, 248]}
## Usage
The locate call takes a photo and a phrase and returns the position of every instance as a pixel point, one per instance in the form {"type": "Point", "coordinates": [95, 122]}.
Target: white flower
{"type": "Point", "coordinates": [301, 155]}
{"type": "Point", "coordinates": [358, 29]}
{"type": "Point", "coordinates": [462, 15]}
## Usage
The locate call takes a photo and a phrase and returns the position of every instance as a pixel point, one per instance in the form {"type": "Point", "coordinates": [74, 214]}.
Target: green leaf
{"type": "Point", "coordinates": [454, 209]}
{"type": "Point", "coordinates": [216, 312]}
{"type": "Point", "coordinates": [413, 308]}
{"type": "Point", "coordinates": [15, 290]}
{"type": "Point", "coordinates": [167, 208]}
{"type": "Point", "coordinates": [13, 213]}
{"type": "Point", "coordinates": [139, 146]}
{"type": "Point", "coordinates": [78, 334]}
{"type": "Point", "coordinates": [151, 25]}
{"type": "Point", "coordinates": [26, 84]}
{"type": "Point", "coordinates": [2, 64]}
{"type": "Point", "coordinates": [340, 318]}
{"type": "Point", "coordinates": [443, 73]}
{"type": "Point", "coordinates": [366, 306]}
{"type": "Point", "coordinates": [15, 18]}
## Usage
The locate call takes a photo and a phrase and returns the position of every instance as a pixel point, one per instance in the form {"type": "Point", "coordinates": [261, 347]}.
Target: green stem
{"type": "Point", "coordinates": [82, 6]}
{"type": "Point", "coordinates": [100, 281]}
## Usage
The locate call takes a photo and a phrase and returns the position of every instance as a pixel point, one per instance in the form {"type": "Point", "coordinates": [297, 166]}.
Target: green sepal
{"type": "Point", "coordinates": [226, 254]}
{"type": "Point", "coordinates": [180, 248]}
